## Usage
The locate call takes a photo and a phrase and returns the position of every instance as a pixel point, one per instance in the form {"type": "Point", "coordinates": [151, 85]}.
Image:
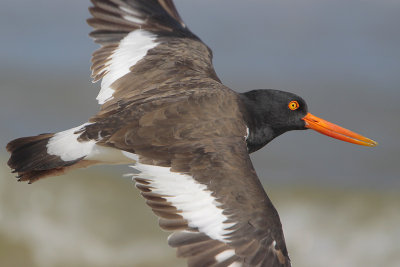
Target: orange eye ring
{"type": "Point", "coordinates": [293, 105]}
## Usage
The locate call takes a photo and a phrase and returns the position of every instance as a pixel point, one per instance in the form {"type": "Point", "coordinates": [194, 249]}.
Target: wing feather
{"type": "Point", "coordinates": [197, 176]}
{"type": "Point", "coordinates": [146, 37]}
{"type": "Point", "coordinates": [163, 102]}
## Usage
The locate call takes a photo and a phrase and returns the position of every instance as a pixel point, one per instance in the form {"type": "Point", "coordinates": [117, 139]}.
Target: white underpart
{"type": "Point", "coordinates": [224, 255]}
{"type": "Point", "coordinates": [108, 155]}
{"type": "Point", "coordinates": [131, 49]}
{"type": "Point", "coordinates": [66, 145]}
{"type": "Point", "coordinates": [192, 199]}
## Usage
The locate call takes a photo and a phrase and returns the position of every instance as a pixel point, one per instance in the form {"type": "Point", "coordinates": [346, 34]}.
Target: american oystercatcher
{"type": "Point", "coordinates": [165, 112]}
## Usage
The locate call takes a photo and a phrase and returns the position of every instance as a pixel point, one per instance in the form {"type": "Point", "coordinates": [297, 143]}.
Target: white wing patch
{"type": "Point", "coordinates": [133, 19]}
{"type": "Point", "coordinates": [130, 11]}
{"type": "Point", "coordinates": [224, 255]}
{"type": "Point", "coordinates": [194, 201]}
{"type": "Point", "coordinates": [131, 49]}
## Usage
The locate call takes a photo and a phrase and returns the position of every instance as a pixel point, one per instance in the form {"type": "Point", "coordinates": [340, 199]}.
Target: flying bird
{"type": "Point", "coordinates": [165, 112]}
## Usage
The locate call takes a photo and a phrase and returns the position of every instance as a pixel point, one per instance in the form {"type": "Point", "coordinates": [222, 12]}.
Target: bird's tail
{"type": "Point", "coordinates": [53, 154]}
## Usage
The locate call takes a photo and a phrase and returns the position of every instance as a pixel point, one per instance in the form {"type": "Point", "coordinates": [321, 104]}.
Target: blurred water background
{"type": "Point", "coordinates": [339, 203]}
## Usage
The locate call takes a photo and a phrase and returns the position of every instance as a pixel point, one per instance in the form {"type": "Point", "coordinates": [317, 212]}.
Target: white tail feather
{"type": "Point", "coordinates": [66, 145]}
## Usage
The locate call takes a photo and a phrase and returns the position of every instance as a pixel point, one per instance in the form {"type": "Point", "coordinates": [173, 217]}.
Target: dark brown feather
{"type": "Point", "coordinates": [179, 239]}
{"type": "Point", "coordinates": [173, 224]}
{"type": "Point", "coordinates": [198, 248]}
{"type": "Point", "coordinates": [175, 57]}
{"type": "Point", "coordinates": [171, 110]}
{"type": "Point", "coordinates": [30, 160]}
{"type": "Point", "coordinates": [206, 257]}
{"type": "Point", "coordinates": [201, 133]}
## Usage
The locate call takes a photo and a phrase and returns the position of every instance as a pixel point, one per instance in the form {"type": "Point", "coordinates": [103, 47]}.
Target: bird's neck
{"type": "Point", "coordinates": [256, 119]}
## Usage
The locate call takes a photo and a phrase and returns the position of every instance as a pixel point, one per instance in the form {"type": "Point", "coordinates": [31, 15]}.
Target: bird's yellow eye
{"type": "Point", "coordinates": [293, 105]}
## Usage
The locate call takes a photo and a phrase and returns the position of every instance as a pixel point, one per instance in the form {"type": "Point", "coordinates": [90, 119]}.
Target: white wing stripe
{"type": "Point", "coordinates": [224, 255]}
{"type": "Point", "coordinates": [133, 19]}
{"type": "Point", "coordinates": [131, 49]}
{"type": "Point", "coordinates": [194, 201]}
{"type": "Point", "coordinates": [129, 10]}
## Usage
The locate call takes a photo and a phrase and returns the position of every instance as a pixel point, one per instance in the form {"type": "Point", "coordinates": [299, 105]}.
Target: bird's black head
{"type": "Point", "coordinates": [269, 113]}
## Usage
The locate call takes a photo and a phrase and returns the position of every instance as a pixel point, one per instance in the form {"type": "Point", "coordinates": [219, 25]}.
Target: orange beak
{"type": "Point", "coordinates": [335, 131]}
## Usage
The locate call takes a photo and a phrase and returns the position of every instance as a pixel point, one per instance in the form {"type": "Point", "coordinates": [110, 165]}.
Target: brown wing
{"type": "Point", "coordinates": [250, 233]}
{"type": "Point", "coordinates": [197, 176]}
{"type": "Point", "coordinates": [145, 44]}
{"type": "Point", "coordinates": [164, 105]}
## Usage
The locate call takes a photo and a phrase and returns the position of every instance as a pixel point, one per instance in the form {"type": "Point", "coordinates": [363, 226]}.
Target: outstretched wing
{"type": "Point", "coordinates": [216, 206]}
{"type": "Point", "coordinates": [197, 176]}
{"type": "Point", "coordinates": [163, 103]}
{"type": "Point", "coordinates": [144, 44]}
